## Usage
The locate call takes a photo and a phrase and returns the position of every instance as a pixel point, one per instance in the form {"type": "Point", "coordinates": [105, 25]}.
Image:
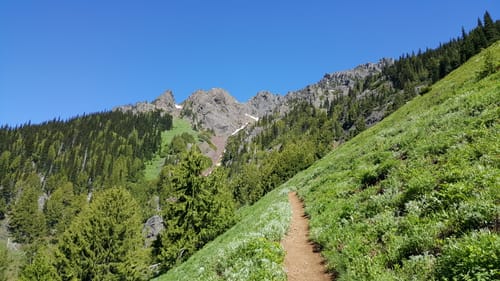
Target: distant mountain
{"type": "Point", "coordinates": [216, 110]}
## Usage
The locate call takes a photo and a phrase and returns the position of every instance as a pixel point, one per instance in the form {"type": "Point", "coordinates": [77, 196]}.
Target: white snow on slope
{"type": "Point", "coordinates": [239, 129]}
{"type": "Point", "coordinates": [253, 117]}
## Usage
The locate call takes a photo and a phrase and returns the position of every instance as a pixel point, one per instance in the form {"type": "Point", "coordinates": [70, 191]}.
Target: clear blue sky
{"type": "Point", "coordinates": [63, 58]}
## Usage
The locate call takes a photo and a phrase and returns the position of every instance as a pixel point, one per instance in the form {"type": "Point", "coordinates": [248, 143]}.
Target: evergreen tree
{"type": "Point", "coordinates": [490, 30]}
{"type": "Point", "coordinates": [488, 66]}
{"type": "Point", "coordinates": [62, 206]}
{"type": "Point", "coordinates": [104, 242]}
{"type": "Point", "coordinates": [197, 209]}
{"type": "Point", "coordinates": [27, 222]}
{"type": "Point", "coordinates": [41, 268]}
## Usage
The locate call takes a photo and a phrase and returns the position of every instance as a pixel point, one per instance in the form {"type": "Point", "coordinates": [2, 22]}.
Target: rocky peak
{"type": "Point", "coordinates": [216, 110]}
{"type": "Point", "coordinates": [264, 103]}
{"type": "Point", "coordinates": [165, 102]}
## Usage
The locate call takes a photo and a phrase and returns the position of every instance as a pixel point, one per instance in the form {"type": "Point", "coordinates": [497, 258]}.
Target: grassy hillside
{"type": "Point", "coordinates": [154, 166]}
{"type": "Point", "coordinates": [416, 197]}
{"type": "Point", "coordinates": [248, 251]}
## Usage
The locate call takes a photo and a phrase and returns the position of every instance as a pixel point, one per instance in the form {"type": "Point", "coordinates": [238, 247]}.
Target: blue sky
{"type": "Point", "coordinates": [63, 58]}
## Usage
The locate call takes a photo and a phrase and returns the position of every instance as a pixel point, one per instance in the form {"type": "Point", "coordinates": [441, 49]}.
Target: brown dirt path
{"type": "Point", "coordinates": [301, 262]}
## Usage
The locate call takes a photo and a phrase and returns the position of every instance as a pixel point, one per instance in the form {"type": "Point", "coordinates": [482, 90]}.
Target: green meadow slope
{"type": "Point", "coordinates": [153, 167]}
{"type": "Point", "coordinates": [415, 197]}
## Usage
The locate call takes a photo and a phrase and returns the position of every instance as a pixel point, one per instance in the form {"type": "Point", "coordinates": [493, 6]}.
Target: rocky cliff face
{"type": "Point", "coordinates": [337, 83]}
{"type": "Point", "coordinates": [216, 110]}
{"type": "Point", "coordinates": [165, 102]}
{"type": "Point", "coordinates": [264, 103]}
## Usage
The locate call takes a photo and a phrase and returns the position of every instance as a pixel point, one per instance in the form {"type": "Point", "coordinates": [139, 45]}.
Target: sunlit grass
{"type": "Point", "coordinates": [180, 126]}
{"type": "Point", "coordinates": [400, 201]}
{"type": "Point", "coordinates": [404, 197]}
{"type": "Point", "coordinates": [248, 251]}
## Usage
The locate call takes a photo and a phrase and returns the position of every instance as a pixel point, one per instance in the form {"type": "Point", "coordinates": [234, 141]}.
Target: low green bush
{"type": "Point", "coordinates": [473, 257]}
{"type": "Point", "coordinates": [253, 260]}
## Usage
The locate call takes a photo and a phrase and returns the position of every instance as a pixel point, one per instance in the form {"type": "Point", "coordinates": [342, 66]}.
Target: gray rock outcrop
{"type": "Point", "coordinates": [216, 110]}
{"type": "Point", "coordinates": [152, 227]}
{"type": "Point", "coordinates": [264, 103]}
{"type": "Point", "coordinates": [165, 102]}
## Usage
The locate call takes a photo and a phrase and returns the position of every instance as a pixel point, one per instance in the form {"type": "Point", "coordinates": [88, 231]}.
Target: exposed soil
{"type": "Point", "coordinates": [220, 143]}
{"type": "Point", "coordinates": [302, 263]}
{"type": "Point", "coordinates": [215, 155]}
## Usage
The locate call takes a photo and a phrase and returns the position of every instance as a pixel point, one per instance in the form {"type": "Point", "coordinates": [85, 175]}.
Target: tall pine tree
{"type": "Point", "coordinates": [27, 222]}
{"type": "Point", "coordinates": [196, 209]}
{"type": "Point", "coordinates": [105, 241]}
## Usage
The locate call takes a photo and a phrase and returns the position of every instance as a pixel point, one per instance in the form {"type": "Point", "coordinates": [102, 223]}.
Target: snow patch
{"type": "Point", "coordinates": [239, 129]}
{"type": "Point", "coordinates": [178, 106]}
{"type": "Point", "coordinates": [253, 117]}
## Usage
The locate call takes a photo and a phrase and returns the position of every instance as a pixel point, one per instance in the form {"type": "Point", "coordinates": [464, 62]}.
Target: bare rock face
{"type": "Point", "coordinates": [152, 227]}
{"type": "Point", "coordinates": [42, 199]}
{"type": "Point", "coordinates": [165, 103]}
{"type": "Point", "coordinates": [264, 103]}
{"type": "Point", "coordinates": [337, 84]}
{"type": "Point", "coordinates": [216, 110]}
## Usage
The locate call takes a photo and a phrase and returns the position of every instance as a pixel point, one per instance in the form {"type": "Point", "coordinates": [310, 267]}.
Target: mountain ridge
{"type": "Point", "coordinates": [217, 110]}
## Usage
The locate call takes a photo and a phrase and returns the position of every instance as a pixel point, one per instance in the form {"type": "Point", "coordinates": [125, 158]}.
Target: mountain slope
{"type": "Point", "coordinates": [417, 196]}
{"type": "Point", "coordinates": [406, 199]}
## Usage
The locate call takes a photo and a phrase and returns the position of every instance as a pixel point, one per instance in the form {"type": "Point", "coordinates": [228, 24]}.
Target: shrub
{"type": "Point", "coordinates": [473, 257]}
{"type": "Point", "coordinates": [254, 260]}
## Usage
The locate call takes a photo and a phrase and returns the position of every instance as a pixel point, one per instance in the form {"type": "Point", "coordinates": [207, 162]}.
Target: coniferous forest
{"type": "Point", "coordinates": [74, 198]}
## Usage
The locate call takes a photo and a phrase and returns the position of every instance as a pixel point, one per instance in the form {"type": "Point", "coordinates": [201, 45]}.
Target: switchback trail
{"type": "Point", "coordinates": [301, 262]}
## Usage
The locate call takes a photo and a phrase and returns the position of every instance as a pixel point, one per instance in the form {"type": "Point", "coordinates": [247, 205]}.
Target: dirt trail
{"type": "Point", "coordinates": [301, 262]}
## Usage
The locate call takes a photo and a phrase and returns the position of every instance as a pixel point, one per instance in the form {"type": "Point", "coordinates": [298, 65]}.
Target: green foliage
{"type": "Point", "coordinates": [248, 250]}
{"type": "Point", "coordinates": [90, 151]}
{"type": "Point", "coordinates": [154, 166]}
{"type": "Point", "coordinates": [60, 162]}
{"type": "Point", "coordinates": [473, 257]}
{"type": "Point", "coordinates": [62, 206]}
{"type": "Point", "coordinates": [104, 242]}
{"type": "Point", "coordinates": [27, 222]}
{"type": "Point", "coordinates": [252, 261]}
{"type": "Point", "coordinates": [3, 208]}
{"type": "Point", "coordinates": [415, 197]}
{"type": "Point", "coordinates": [195, 208]}
{"type": "Point", "coordinates": [4, 262]}
{"type": "Point", "coordinates": [41, 268]}
{"type": "Point", "coordinates": [489, 66]}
